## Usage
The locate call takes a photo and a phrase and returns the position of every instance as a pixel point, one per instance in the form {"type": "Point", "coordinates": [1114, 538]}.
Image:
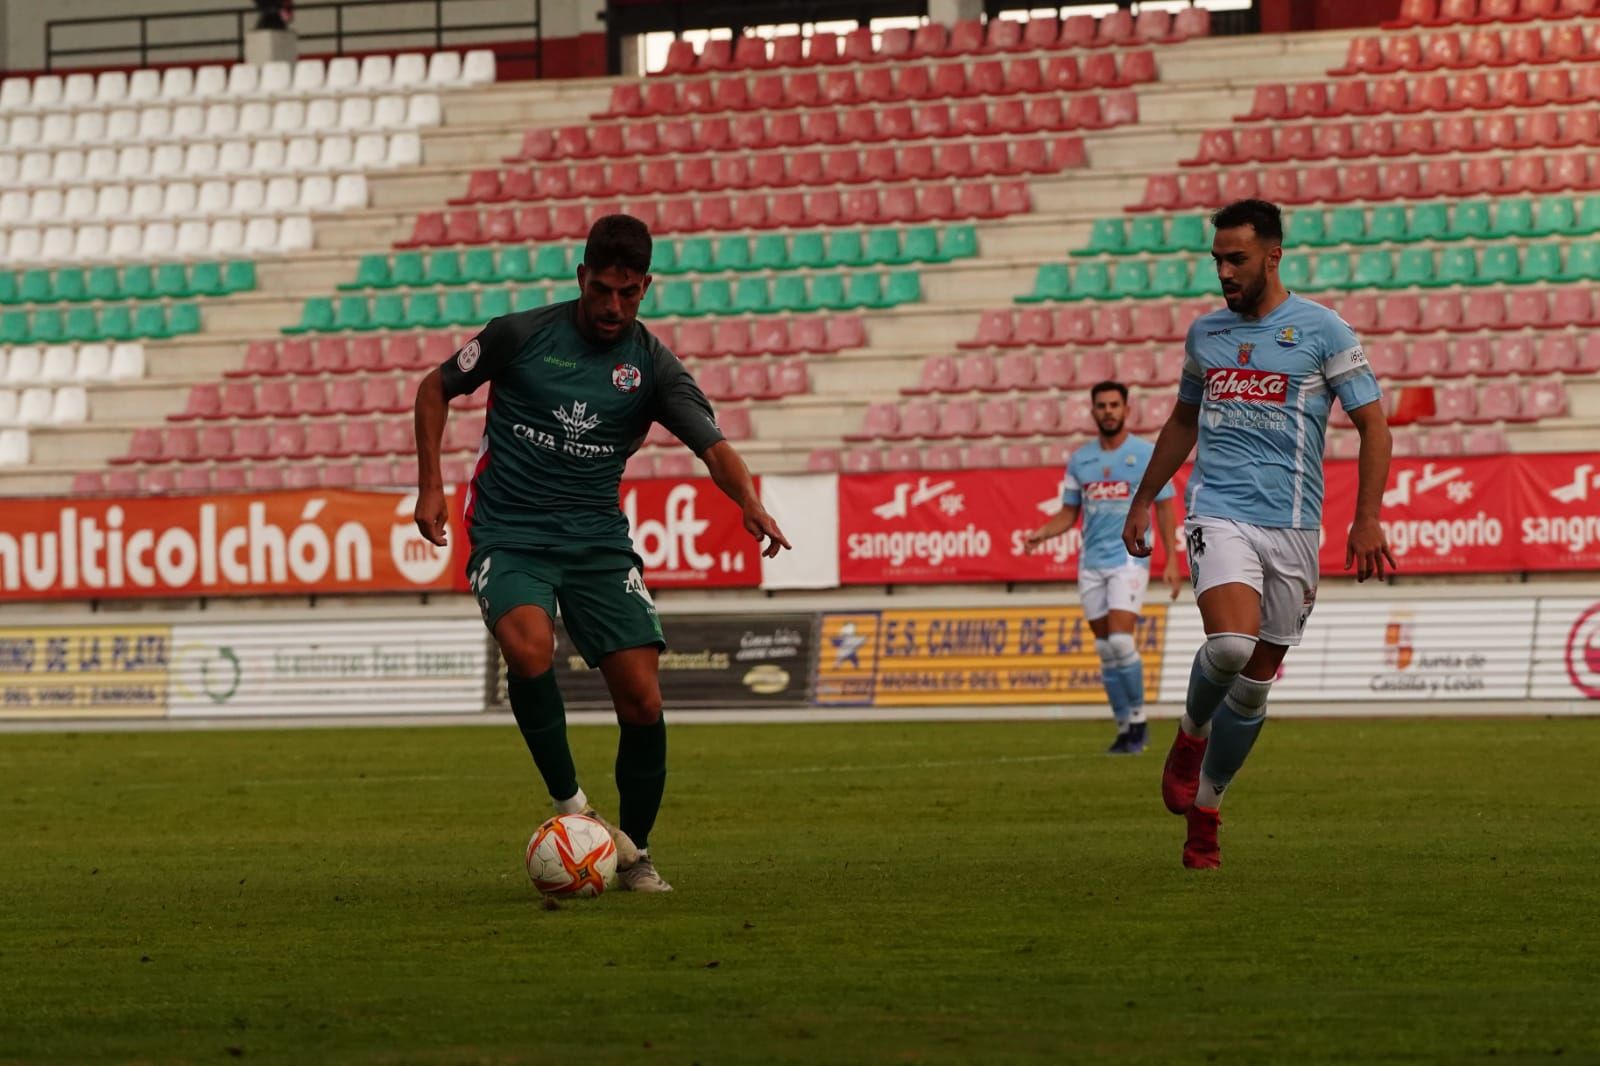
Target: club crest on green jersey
{"type": "Point", "coordinates": [626, 377]}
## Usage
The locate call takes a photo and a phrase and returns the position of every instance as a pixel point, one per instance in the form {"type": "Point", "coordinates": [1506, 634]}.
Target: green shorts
{"type": "Point", "coordinates": [600, 591]}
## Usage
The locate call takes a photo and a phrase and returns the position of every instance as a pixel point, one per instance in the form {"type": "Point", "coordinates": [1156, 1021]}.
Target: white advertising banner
{"type": "Point", "coordinates": [1566, 655]}
{"type": "Point", "coordinates": [307, 668]}
{"type": "Point", "coordinates": [806, 508]}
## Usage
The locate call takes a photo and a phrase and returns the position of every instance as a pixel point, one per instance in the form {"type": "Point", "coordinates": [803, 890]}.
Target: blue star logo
{"type": "Point", "coordinates": [847, 646]}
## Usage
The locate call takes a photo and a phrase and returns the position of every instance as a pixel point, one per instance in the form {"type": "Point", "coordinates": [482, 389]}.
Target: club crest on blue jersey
{"type": "Point", "coordinates": [626, 377]}
{"type": "Point", "coordinates": [1244, 353]}
{"type": "Point", "coordinates": [1288, 337]}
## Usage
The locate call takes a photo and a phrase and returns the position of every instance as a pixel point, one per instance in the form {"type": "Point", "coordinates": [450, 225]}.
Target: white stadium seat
{"type": "Point", "coordinates": [112, 88]}
{"type": "Point", "coordinates": [13, 207]}
{"type": "Point", "coordinates": [177, 83]}
{"type": "Point", "coordinates": [154, 124]}
{"type": "Point", "coordinates": [410, 69]}
{"type": "Point", "coordinates": [91, 243]}
{"type": "Point", "coordinates": [100, 164]}
{"type": "Point", "coordinates": [355, 113]}
{"type": "Point", "coordinates": [243, 79]}
{"type": "Point", "coordinates": [194, 238]}
{"type": "Point", "coordinates": [423, 110]}
{"type": "Point", "coordinates": [46, 204]}
{"type": "Point", "coordinates": [57, 363]}
{"type": "Point", "coordinates": [234, 157]}
{"type": "Point", "coordinates": [288, 116]}
{"type": "Point", "coordinates": [221, 120]}
{"type": "Point", "coordinates": [166, 160]}
{"type": "Point", "coordinates": [188, 121]}
{"type": "Point", "coordinates": [58, 243]}
{"type": "Point", "coordinates": [93, 363]}
{"type": "Point", "coordinates": [68, 167]}
{"type": "Point", "coordinates": [127, 239]}
{"type": "Point", "coordinates": [133, 162]}
{"type": "Point", "coordinates": [389, 112]}
{"type": "Point", "coordinates": [301, 155]}
{"type": "Point", "coordinates": [56, 129]}
{"type": "Point", "coordinates": [13, 447]}
{"type": "Point", "coordinates": [261, 235]}
{"type": "Point", "coordinates": [350, 192]}
{"type": "Point", "coordinates": [46, 92]}
{"type": "Point", "coordinates": [309, 75]}
{"type": "Point", "coordinates": [15, 94]}
{"type": "Point", "coordinates": [294, 234]}
{"type": "Point", "coordinates": [275, 79]}
{"type": "Point", "coordinates": [23, 246]}
{"type": "Point", "coordinates": [8, 168]}
{"type": "Point", "coordinates": [79, 203]}
{"type": "Point", "coordinates": [315, 194]}
{"type": "Point", "coordinates": [405, 150]}
{"type": "Point", "coordinates": [210, 80]}
{"type": "Point", "coordinates": [249, 196]}
{"type": "Point", "coordinates": [370, 151]}
{"type": "Point", "coordinates": [89, 127]}
{"type": "Point", "coordinates": [215, 197]}
{"type": "Point", "coordinates": [343, 74]}
{"type": "Point", "coordinates": [111, 202]}
{"type": "Point", "coordinates": [255, 117]}
{"type": "Point", "coordinates": [127, 362]}
{"type": "Point", "coordinates": [335, 153]}
{"type": "Point", "coordinates": [200, 159]}
{"type": "Point", "coordinates": [122, 126]}
{"type": "Point", "coordinates": [282, 194]}
{"type": "Point", "coordinates": [444, 69]}
{"type": "Point", "coordinates": [322, 115]}
{"type": "Point", "coordinates": [71, 405]}
{"type": "Point", "coordinates": [376, 73]}
{"type": "Point", "coordinates": [227, 236]}
{"type": "Point", "coordinates": [24, 131]}
{"type": "Point", "coordinates": [159, 239]}
{"type": "Point", "coordinates": [34, 405]}
{"type": "Point", "coordinates": [8, 407]}
{"type": "Point", "coordinates": [146, 201]}
{"type": "Point", "coordinates": [23, 367]}
{"type": "Point", "coordinates": [35, 168]}
{"type": "Point", "coordinates": [266, 156]}
{"type": "Point", "coordinates": [142, 85]}
{"type": "Point", "coordinates": [78, 90]}
{"type": "Point", "coordinates": [478, 67]}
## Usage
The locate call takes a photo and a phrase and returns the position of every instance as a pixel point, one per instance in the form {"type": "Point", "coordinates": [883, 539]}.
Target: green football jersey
{"type": "Point", "coordinates": [564, 415]}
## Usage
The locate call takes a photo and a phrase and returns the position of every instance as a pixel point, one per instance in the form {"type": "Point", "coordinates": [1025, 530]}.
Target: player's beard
{"type": "Point", "coordinates": [1113, 431]}
{"type": "Point", "coordinates": [1247, 299]}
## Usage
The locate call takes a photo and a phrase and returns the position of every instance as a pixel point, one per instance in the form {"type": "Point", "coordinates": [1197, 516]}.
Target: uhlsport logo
{"type": "Point", "coordinates": [626, 377]}
{"type": "Point", "coordinates": [1583, 653]}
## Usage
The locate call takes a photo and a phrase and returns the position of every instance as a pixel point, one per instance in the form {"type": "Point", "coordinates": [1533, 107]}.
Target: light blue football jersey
{"type": "Point", "coordinates": [1102, 483]}
{"type": "Point", "coordinates": [1264, 389]}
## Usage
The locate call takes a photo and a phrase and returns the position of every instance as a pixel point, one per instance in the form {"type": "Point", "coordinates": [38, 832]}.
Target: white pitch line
{"type": "Point", "coordinates": [925, 764]}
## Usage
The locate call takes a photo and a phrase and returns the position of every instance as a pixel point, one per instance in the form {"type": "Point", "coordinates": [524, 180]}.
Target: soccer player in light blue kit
{"type": "Point", "coordinates": [1258, 382]}
{"type": "Point", "coordinates": [1100, 479]}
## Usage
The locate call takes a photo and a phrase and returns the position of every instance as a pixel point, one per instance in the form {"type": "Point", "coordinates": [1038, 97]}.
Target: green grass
{"type": "Point", "coordinates": [1393, 891]}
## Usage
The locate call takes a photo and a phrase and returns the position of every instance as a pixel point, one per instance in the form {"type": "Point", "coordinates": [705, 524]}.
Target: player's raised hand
{"type": "Point", "coordinates": [762, 526]}
{"type": "Point", "coordinates": [1172, 574]}
{"type": "Point", "coordinates": [433, 516]}
{"type": "Point", "coordinates": [1366, 549]}
{"type": "Point", "coordinates": [1035, 540]}
{"type": "Point", "coordinates": [1136, 532]}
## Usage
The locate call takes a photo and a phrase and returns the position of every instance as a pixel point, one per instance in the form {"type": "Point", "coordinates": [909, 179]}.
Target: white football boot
{"type": "Point", "coordinates": [641, 876]}
{"type": "Point", "coordinates": [627, 854]}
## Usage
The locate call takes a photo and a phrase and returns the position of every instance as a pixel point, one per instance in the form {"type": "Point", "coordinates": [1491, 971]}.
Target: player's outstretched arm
{"type": "Point", "coordinates": [1172, 448]}
{"type": "Point", "coordinates": [1058, 524]}
{"type": "Point", "coordinates": [432, 514]}
{"type": "Point", "coordinates": [733, 478]}
{"type": "Point", "coordinates": [1368, 548]}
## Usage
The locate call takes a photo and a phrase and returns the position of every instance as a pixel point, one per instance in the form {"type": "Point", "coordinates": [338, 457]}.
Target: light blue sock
{"type": "Point", "coordinates": [1233, 733]}
{"type": "Point", "coordinates": [1111, 678]}
{"type": "Point", "coordinates": [1130, 671]}
{"type": "Point", "coordinates": [1216, 664]}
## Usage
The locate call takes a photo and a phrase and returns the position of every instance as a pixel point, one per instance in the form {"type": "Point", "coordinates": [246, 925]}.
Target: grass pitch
{"type": "Point", "coordinates": [1392, 891]}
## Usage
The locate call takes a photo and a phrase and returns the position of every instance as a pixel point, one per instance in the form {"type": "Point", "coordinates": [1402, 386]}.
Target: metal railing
{"type": "Point", "coordinates": [332, 26]}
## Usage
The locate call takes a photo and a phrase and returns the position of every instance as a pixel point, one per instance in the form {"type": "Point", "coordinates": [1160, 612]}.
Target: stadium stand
{"type": "Point", "coordinates": [876, 251]}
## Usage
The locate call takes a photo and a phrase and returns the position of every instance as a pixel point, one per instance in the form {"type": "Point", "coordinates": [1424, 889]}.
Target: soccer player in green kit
{"type": "Point", "coordinates": [574, 388]}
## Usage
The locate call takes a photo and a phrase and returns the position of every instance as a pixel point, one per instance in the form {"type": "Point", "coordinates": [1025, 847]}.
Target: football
{"type": "Point", "coordinates": [571, 855]}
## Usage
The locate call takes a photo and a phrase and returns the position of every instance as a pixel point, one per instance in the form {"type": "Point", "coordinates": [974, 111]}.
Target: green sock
{"type": "Point", "coordinates": [542, 717]}
{"type": "Point", "coordinates": [641, 777]}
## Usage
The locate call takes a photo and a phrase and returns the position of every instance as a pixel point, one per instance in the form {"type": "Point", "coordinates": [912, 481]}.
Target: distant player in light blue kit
{"type": "Point", "coordinates": [1257, 386]}
{"type": "Point", "coordinates": [1099, 483]}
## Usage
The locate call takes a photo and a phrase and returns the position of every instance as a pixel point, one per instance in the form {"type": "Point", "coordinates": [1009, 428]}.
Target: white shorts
{"type": "Point", "coordinates": [1118, 589]}
{"type": "Point", "coordinates": [1280, 564]}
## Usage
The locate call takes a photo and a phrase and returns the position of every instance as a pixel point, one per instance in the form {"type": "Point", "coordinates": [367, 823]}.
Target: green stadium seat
{"type": "Point", "coordinates": [919, 244]}
{"type": "Point", "coordinates": [827, 292]}
{"type": "Point", "coordinates": [1540, 262]}
{"type": "Point", "coordinates": [958, 242]}
{"type": "Point", "coordinates": [1553, 215]}
{"type": "Point", "coordinates": [714, 297]}
{"type": "Point", "coordinates": [1050, 283]}
{"type": "Point", "coordinates": [150, 321]}
{"type": "Point", "coordinates": [492, 303]}
{"type": "Point", "coordinates": [664, 258]}
{"type": "Point", "coordinates": [1498, 266]}
{"type": "Point", "coordinates": [1203, 279]}
{"type": "Point", "coordinates": [1513, 217]}
{"type": "Point", "coordinates": [771, 252]}
{"type": "Point", "coordinates": [808, 249]}
{"type": "Point", "coordinates": [515, 264]}
{"type": "Point", "coordinates": [1458, 266]}
{"type": "Point", "coordinates": [1387, 224]}
{"type": "Point", "coordinates": [1415, 268]}
{"type": "Point", "coordinates": [318, 315]}
{"type": "Point", "coordinates": [866, 290]}
{"type": "Point", "coordinates": [408, 269]}
{"type": "Point", "coordinates": [388, 311]}
{"type": "Point", "coordinates": [36, 287]}
{"type": "Point", "coordinates": [71, 285]}
{"type": "Point", "coordinates": [461, 308]}
{"type": "Point", "coordinates": [650, 303]}
{"type": "Point", "coordinates": [695, 255]}
{"type": "Point", "coordinates": [1583, 261]}
{"type": "Point", "coordinates": [138, 281]}
{"type": "Point", "coordinates": [1306, 229]}
{"type": "Point", "coordinates": [845, 248]}
{"type": "Point", "coordinates": [789, 293]}
{"type": "Point", "coordinates": [1090, 281]}
{"type": "Point", "coordinates": [750, 295]}
{"type": "Point", "coordinates": [172, 280]}
{"type": "Point", "coordinates": [371, 273]}
{"type": "Point", "coordinates": [1106, 237]}
{"type": "Point", "coordinates": [1188, 233]}
{"type": "Point", "coordinates": [733, 253]}
{"type": "Point", "coordinates": [422, 311]}
{"type": "Point", "coordinates": [1470, 219]}
{"type": "Point", "coordinates": [1330, 270]}
{"type": "Point", "coordinates": [444, 268]}
{"type": "Point", "coordinates": [1588, 215]}
{"type": "Point", "coordinates": [1147, 233]}
{"type": "Point", "coordinates": [353, 313]}
{"type": "Point", "coordinates": [477, 267]}
{"type": "Point", "coordinates": [14, 327]}
{"type": "Point", "coordinates": [1374, 270]}
{"type": "Point", "coordinates": [116, 323]}
{"type": "Point", "coordinates": [183, 318]}
{"type": "Point", "coordinates": [1347, 225]}
{"type": "Point", "coordinates": [1295, 270]}
{"type": "Point", "coordinates": [1130, 277]}
{"type": "Point", "coordinates": [564, 292]}
{"type": "Point", "coordinates": [239, 275]}
{"type": "Point", "coordinates": [1171, 278]}
{"type": "Point", "coordinates": [677, 298]}
{"type": "Point", "coordinates": [82, 325]}
{"type": "Point", "coordinates": [205, 279]}
{"type": "Point", "coordinates": [8, 287]}
{"type": "Point", "coordinates": [48, 326]}
{"type": "Point", "coordinates": [1429, 222]}
{"type": "Point", "coordinates": [882, 247]}
{"type": "Point", "coordinates": [550, 264]}
{"type": "Point", "coordinates": [104, 283]}
{"type": "Point", "coordinates": [903, 287]}
{"type": "Point", "coordinates": [533, 297]}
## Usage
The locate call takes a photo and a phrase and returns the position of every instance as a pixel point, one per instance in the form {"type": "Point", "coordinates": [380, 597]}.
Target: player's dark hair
{"type": "Point", "coordinates": [618, 241]}
{"type": "Point", "coordinates": [1109, 386]}
{"type": "Point", "coordinates": [1263, 216]}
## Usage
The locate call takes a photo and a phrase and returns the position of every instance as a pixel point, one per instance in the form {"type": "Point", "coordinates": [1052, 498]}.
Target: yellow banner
{"type": "Point", "coordinates": [98, 671]}
{"type": "Point", "coordinates": [960, 656]}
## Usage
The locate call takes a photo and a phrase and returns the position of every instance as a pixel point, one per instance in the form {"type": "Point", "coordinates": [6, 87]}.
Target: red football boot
{"type": "Point", "coordinates": [1200, 851]}
{"type": "Point", "coordinates": [1180, 777]}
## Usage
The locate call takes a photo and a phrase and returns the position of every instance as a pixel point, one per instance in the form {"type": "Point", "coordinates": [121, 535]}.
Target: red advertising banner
{"type": "Point", "coordinates": [690, 535]}
{"type": "Point", "coordinates": [960, 525]}
{"type": "Point", "coordinates": [251, 544]}
{"type": "Point", "coordinates": [1442, 516]}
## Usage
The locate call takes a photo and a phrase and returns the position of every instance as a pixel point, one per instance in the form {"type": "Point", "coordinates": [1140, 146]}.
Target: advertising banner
{"type": "Point", "coordinates": [1566, 651]}
{"type": "Point", "coordinates": [345, 667]}
{"type": "Point", "coordinates": [250, 544]}
{"type": "Point", "coordinates": [84, 671]}
{"type": "Point", "coordinates": [1556, 499]}
{"type": "Point", "coordinates": [690, 535]}
{"type": "Point", "coordinates": [969, 656]}
{"type": "Point", "coordinates": [1450, 516]}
